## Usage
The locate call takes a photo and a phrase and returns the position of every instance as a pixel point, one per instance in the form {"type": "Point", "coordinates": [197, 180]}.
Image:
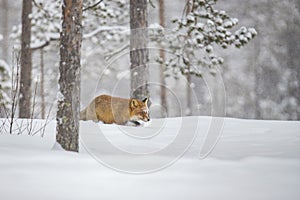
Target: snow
{"type": "Point", "coordinates": [60, 96]}
{"type": "Point", "coordinates": [252, 160]}
{"type": "Point", "coordinates": [155, 26]}
{"type": "Point", "coordinates": [123, 74]}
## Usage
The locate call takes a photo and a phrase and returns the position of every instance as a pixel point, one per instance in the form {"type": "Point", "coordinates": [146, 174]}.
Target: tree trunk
{"type": "Point", "coordinates": [294, 60]}
{"type": "Point", "coordinates": [257, 80]}
{"type": "Point", "coordinates": [5, 17]}
{"type": "Point", "coordinates": [69, 80]}
{"type": "Point", "coordinates": [42, 84]}
{"type": "Point", "coordinates": [163, 95]}
{"type": "Point", "coordinates": [188, 76]}
{"type": "Point", "coordinates": [293, 63]}
{"type": "Point", "coordinates": [26, 63]}
{"type": "Point", "coordinates": [139, 54]}
{"type": "Point", "coordinates": [189, 111]}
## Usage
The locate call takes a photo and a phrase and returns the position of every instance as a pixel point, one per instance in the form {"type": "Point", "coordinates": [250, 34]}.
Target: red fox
{"type": "Point", "coordinates": [117, 110]}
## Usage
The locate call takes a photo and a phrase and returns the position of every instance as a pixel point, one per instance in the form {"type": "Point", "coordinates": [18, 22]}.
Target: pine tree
{"type": "Point", "coordinates": [163, 95]}
{"type": "Point", "coordinates": [197, 32]}
{"type": "Point", "coordinates": [5, 17]}
{"type": "Point", "coordinates": [139, 54]}
{"type": "Point", "coordinates": [26, 62]}
{"type": "Point", "coordinates": [69, 80]}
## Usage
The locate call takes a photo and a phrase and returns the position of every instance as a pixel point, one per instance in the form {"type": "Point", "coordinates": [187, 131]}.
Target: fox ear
{"type": "Point", "coordinates": [145, 100]}
{"type": "Point", "coordinates": [134, 103]}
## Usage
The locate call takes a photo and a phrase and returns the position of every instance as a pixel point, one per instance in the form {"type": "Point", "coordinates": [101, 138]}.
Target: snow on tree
{"type": "Point", "coordinates": [106, 29]}
{"type": "Point", "coordinates": [103, 32]}
{"type": "Point", "coordinates": [102, 22]}
{"type": "Point", "coordinates": [196, 34]}
{"type": "Point", "coordinates": [4, 87]}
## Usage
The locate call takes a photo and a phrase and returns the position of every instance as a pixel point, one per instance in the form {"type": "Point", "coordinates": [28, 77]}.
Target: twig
{"type": "Point", "coordinates": [19, 128]}
{"type": "Point", "coordinates": [40, 7]}
{"type": "Point", "coordinates": [36, 4]}
{"type": "Point", "coordinates": [152, 4]}
{"type": "Point", "coordinates": [46, 43]}
{"type": "Point", "coordinates": [110, 55]}
{"type": "Point", "coordinates": [41, 46]}
{"type": "Point", "coordinates": [15, 93]}
{"type": "Point", "coordinates": [47, 121]}
{"type": "Point", "coordinates": [92, 6]}
{"type": "Point", "coordinates": [3, 126]}
{"type": "Point", "coordinates": [33, 106]}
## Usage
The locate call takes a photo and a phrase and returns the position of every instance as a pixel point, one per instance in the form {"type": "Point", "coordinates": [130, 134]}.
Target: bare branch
{"type": "Point", "coordinates": [46, 43]}
{"type": "Point", "coordinates": [40, 7]}
{"type": "Point", "coordinates": [30, 128]}
{"type": "Point", "coordinates": [92, 6]}
{"type": "Point", "coordinates": [112, 54]}
{"type": "Point", "coordinates": [41, 46]}
{"type": "Point", "coordinates": [14, 91]}
{"type": "Point", "coordinates": [85, 36]}
{"type": "Point", "coordinates": [152, 4]}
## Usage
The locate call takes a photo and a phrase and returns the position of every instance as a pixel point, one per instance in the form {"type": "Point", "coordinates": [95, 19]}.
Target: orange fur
{"type": "Point", "coordinates": [117, 110]}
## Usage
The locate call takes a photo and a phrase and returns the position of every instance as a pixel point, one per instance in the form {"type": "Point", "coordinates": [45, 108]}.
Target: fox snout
{"type": "Point", "coordinates": [146, 118]}
{"type": "Point", "coordinates": [143, 115]}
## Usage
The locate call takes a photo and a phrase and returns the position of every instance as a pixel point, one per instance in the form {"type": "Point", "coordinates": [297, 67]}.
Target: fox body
{"type": "Point", "coordinates": [117, 110]}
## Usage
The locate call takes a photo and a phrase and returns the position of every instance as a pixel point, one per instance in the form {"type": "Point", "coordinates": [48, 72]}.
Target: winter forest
{"type": "Point", "coordinates": [149, 99]}
{"type": "Point", "coordinates": [261, 78]}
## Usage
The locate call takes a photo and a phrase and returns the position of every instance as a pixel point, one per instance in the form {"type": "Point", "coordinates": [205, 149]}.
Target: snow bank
{"type": "Point", "coordinates": [252, 160]}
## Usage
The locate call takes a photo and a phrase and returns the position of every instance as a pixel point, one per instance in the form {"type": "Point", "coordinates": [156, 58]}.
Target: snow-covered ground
{"type": "Point", "coordinates": [165, 160]}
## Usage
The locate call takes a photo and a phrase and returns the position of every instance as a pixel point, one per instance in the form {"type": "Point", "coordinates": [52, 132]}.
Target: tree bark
{"type": "Point", "coordinates": [5, 17]}
{"type": "Point", "coordinates": [293, 62]}
{"type": "Point", "coordinates": [69, 80]}
{"type": "Point", "coordinates": [188, 94]}
{"type": "Point", "coordinates": [257, 79]}
{"type": "Point", "coordinates": [26, 63]}
{"type": "Point", "coordinates": [163, 95]}
{"type": "Point", "coordinates": [139, 54]}
{"type": "Point", "coordinates": [188, 76]}
{"type": "Point", "coordinates": [42, 84]}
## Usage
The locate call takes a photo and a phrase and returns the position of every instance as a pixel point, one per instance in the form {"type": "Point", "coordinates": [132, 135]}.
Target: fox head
{"type": "Point", "coordinates": [139, 110]}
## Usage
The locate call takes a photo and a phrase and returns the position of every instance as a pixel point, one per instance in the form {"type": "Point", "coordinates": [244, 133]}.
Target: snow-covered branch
{"type": "Point", "coordinates": [104, 28]}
